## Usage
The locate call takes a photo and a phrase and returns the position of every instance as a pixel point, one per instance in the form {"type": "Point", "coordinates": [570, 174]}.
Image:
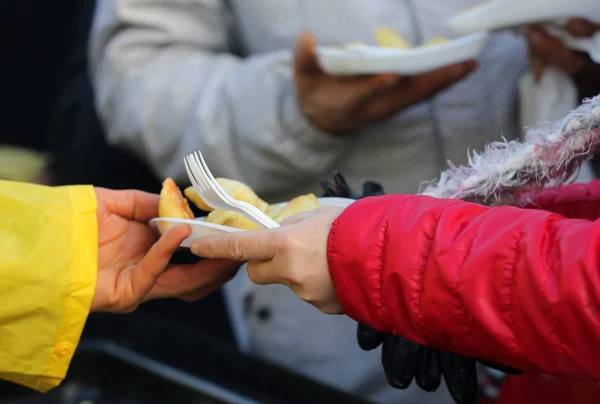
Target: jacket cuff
{"type": "Point", "coordinates": [355, 253]}
{"type": "Point", "coordinates": [80, 292]}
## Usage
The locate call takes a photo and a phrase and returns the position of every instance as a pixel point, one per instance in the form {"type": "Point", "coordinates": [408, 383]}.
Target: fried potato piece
{"type": "Point", "coordinates": [231, 219]}
{"type": "Point", "coordinates": [388, 38]}
{"type": "Point", "coordinates": [172, 203]}
{"type": "Point", "coordinates": [273, 211]}
{"type": "Point", "coordinates": [438, 40]}
{"type": "Point", "coordinates": [356, 43]}
{"type": "Point", "coordinates": [235, 189]}
{"type": "Point", "coordinates": [297, 205]}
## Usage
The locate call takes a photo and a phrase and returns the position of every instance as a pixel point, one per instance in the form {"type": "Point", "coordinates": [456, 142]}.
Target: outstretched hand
{"type": "Point", "coordinates": [294, 255]}
{"type": "Point", "coordinates": [133, 262]}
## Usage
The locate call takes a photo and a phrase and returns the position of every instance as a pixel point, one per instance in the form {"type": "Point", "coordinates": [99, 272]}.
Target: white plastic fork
{"type": "Point", "coordinates": [211, 192]}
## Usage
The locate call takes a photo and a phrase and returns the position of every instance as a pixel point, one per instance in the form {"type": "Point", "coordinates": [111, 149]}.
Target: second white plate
{"type": "Point", "coordinates": [355, 60]}
{"type": "Point", "coordinates": [502, 14]}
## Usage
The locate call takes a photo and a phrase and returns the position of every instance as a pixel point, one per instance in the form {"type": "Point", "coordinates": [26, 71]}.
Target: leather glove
{"type": "Point", "coordinates": [404, 361]}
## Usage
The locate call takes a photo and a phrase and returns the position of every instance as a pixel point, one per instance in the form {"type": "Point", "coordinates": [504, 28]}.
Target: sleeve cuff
{"type": "Point", "coordinates": [355, 254]}
{"type": "Point", "coordinates": [80, 293]}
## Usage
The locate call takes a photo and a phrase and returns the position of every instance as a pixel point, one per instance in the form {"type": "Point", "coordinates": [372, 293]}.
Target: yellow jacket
{"type": "Point", "coordinates": [48, 271]}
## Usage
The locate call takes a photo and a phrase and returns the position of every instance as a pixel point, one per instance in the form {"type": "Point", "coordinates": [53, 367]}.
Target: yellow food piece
{"type": "Point", "coordinates": [172, 203]}
{"type": "Point", "coordinates": [297, 205]}
{"type": "Point", "coordinates": [273, 211]}
{"type": "Point", "coordinates": [438, 40]}
{"type": "Point", "coordinates": [231, 219]}
{"type": "Point", "coordinates": [388, 38]}
{"type": "Point", "coordinates": [235, 189]}
{"type": "Point", "coordinates": [356, 44]}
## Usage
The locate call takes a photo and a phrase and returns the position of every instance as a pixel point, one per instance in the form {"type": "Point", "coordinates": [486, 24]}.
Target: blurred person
{"type": "Point", "coordinates": [239, 80]}
{"type": "Point", "coordinates": [69, 251]}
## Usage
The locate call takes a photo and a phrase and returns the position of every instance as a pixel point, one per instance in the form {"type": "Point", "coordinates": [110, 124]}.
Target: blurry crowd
{"type": "Point", "coordinates": [115, 92]}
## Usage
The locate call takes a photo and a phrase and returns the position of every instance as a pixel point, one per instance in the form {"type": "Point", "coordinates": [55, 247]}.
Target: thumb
{"type": "Point", "coordinates": [305, 57]}
{"type": "Point", "coordinates": [156, 261]}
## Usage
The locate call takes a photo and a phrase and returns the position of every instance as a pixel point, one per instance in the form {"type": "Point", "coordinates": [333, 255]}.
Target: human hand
{"type": "Point", "coordinates": [133, 262]}
{"type": "Point", "coordinates": [343, 104]}
{"type": "Point", "coordinates": [294, 255]}
{"type": "Point", "coordinates": [547, 50]}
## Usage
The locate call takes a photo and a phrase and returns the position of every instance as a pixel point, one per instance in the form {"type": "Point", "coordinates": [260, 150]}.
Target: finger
{"type": "Point", "coordinates": [145, 274]}
{"type": "Point", "coordinates": [306, 64]}
{"type": "Point", "coordinates": [581, 27]}
{"type": "Point", "coordinates": [554, 51]}
{"type": "Point", "coordinates": [264, 273]}
{"type": "Point", "coordinates": [460, 374]}
{"type": "Point", "coordinates": [259, 245]}
{"type": "Point", "coordinates": [357, 88]}
{"type": "Point", "coordinates": [130, 204]}
{"type": "Point", "coordinates": [368, 338]}
{"type": "Point", "coordinates": [415, 90]}
{"type": "Point", "coordinates": [305, 57]}
{"type": "Point", "coordinates": [181, 280]}
{"type": "Point", "coordinates": [429, 373]}
{"type": "Point", "coordinates": [399, 359]}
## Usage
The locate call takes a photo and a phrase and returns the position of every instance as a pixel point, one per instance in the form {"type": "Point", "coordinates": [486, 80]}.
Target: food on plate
{"type": "Point", "coordinates": [438, 40]}
{"type": "Point", "coordinates": [388, 38]}
{"type": "Point", "coordinates": [297, 205]}
{"type": "Point", "coordinates": [172, 203]}
{"type": "Point", "coordinates": [273, 211]}
{"type": "Point", "coordinates": [231, 219]}
{"type": "Point", "coordinates": [355, 44]}
{"type": "Point", "coordinates": [235, 189]}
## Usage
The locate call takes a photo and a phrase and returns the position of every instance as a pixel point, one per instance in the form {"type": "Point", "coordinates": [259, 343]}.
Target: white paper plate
{"type": "Point", "coordinates": [372, 60]}
{"type": "Point", "coordinates": [501, 14]}
{"type": "Point", "coordinates": [201, 228]}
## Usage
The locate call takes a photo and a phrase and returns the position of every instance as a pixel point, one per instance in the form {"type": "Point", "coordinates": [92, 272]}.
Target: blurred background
{"type": "Point", "coordinates": [177, 352]}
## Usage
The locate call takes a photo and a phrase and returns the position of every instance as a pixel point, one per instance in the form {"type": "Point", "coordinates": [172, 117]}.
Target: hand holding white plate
{"type": "Point", "coordinates": [354, 60]}
{"type": "Point", "coordinates": [201, 228]}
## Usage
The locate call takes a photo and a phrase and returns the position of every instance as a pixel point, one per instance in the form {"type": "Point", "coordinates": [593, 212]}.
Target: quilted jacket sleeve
{"type": "Point", "coordinates": [515, 286]}
{"type": "Point", "coordinates": [576, 201]}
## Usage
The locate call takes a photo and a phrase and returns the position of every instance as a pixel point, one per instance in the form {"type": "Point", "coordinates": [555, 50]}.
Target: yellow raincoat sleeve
{"type": "Point", "coordinates": [48, 271]}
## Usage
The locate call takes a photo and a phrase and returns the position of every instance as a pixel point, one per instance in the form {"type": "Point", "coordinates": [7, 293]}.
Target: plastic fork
{"type": "Point", "coordinates": [211, 192]}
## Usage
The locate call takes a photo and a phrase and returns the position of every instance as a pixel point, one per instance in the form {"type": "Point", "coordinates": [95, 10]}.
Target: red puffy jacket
{"type": "Point", "coordinates": [515, 286]}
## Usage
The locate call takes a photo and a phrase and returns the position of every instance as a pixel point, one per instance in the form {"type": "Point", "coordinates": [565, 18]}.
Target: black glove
{"type": "Point", "coordinates": [404, 360]}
